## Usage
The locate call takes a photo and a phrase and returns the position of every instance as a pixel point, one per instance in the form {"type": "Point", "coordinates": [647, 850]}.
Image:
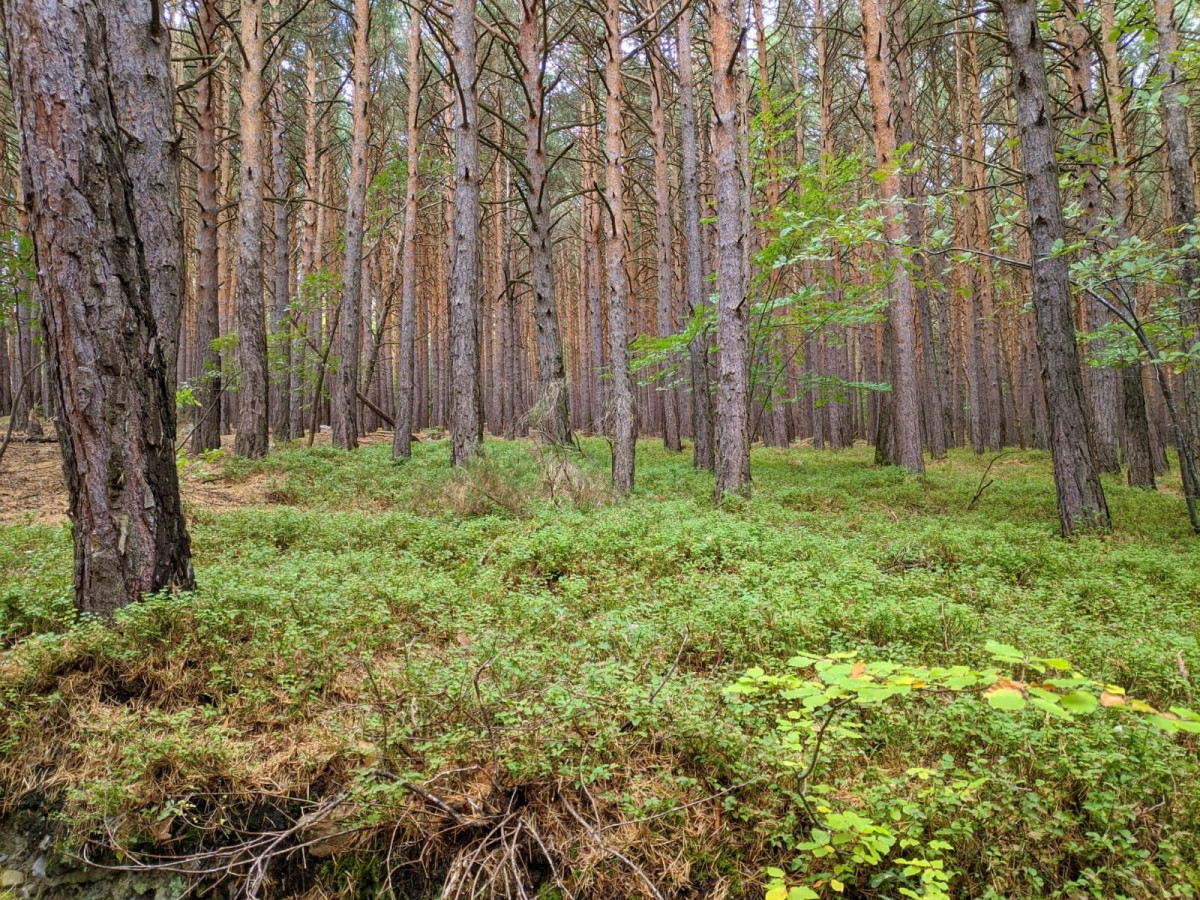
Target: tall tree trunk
{"type": "Point", "coordinates": [117, 414]}
{"type": "Point", "coordinates": [694, 289]}
{"type": "Point", "coordinates": [972, 223]}
{"type": "Point", "coordinates": [624, 404]}
{"type": "Point", "coordinates": [310, 236]}
{"type": "Point", "coordinates": [252, 437]}
{"type": "Point", "coordinates": [1081, 502]}
{"type": "Point", "coordinates": [1137, 440]}
{"type": "Point", "coordinates": [405, 383]}
{"type": "Point", "coordinates": [664, 318]}
{"type": "Point", "coordinates": [1182, 213]}
{"type": "Point", "coordinates": [144, 94]}
{"type": "Point", "coordinates": [1135, 435]}
{"type": "Point", "coordinates": [281, 395]}
{"type": "Point", "coordinates": [207, 432]}
{"type": "Point", "coordinates": [935, 426]}
{"type": "Point", "coordinates": [466, 419]}
{"type": "Point", "coordinates": [552, 416]}
{"type": "Point", "coordinates": [1100, 383]}
{"type": "Point", "coordinates": [732, 431]}
{"type": "Point", "coordinates": [905, 408]}
{"type": "Point", "coordinates": [345, 387]}
{"type": "Point", "coordinates": [595, 246]}
{"type": "Point", "coordinates": [226, 238]}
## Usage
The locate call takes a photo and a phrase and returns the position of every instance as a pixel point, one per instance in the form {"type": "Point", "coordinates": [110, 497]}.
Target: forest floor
{"type": "Point", "coordinates": [400, 675]}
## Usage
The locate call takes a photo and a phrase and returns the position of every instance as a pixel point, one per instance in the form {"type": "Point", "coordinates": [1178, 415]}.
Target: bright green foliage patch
{"type": "Point", "coordinates": [384, 630]}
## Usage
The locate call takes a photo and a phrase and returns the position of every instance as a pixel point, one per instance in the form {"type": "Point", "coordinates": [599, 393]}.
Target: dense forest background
{"type": "Point", "coordinates": [835, 535]}
{"type": "Point", "coordinates": [349, 281]}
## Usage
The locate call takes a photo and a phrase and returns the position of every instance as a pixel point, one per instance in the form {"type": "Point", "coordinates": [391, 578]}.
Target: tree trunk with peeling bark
{"type": "Point", "coordinates": [281, 393]}
{"type": "Point", "coordinates": [144, 94]}
{"type": "Point", "coordinates": [551, 417]}
{"type": "Point", "coordinates": [252, 438]}
{"type": "Point", "coordinates": [695, 292]}
{"type": "Point", "coordinates": [344, 409]}
{"type": "Point", "coordinates": [905, 407]}
{"type": "Point", "coordinates": [109, 372]}
{"type": "Point", "coordinates": [466, 419]}
{"type": "Point", "coordinates": [732, 429]}
{"type": "Point", "coordinates": [624, 404]}
{"type": "Point", "coordinates": [207, 432]}
{"type": "Point", "coordinates": [406, 352]}
{"type": "Point", "coordinates": [664, 319]}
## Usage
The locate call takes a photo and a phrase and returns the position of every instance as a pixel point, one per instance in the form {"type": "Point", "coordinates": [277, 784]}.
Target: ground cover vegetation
{"type": "Point", "coordinates": [423, 679]}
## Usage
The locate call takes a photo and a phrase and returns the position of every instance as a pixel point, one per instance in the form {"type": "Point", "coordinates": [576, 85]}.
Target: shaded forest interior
{"type": "Point", "coordinates": [599, 449]}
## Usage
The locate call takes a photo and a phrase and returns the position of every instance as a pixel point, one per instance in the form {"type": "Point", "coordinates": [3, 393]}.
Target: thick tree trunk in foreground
{"type": "Point", "coordinates": [144, 94]}
{"type": "Point", "coordinates": [1081, 502]}
{"type": "Point", "coordinates": [695, 291]}
{"type": "Point", "coordinates": [207, 432]}
{"type": "Point", "coordinates": [552, 409]}
{"type": "Point", "coordinates": [624, 404]}
{"type": "Point", "coordinates": [405, 383]}
{"type": "Point", "coordinates": [1181, 175]}
{"type": "Point", "coordinates": [117, 416]}
{"type": "Point", "coordinates": [466, 419]}
{"type": "Point", "coordinates": [733, 314]}
{"type": "Point", "coordinates": [252, 438]}
{"type": "Point", "coordinates": [905, 407]}
{"type": "Point", "coordinates": [344, 409]}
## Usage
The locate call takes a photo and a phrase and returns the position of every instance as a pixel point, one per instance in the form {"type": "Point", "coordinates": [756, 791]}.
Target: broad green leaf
{"type": "Point", "coordinates": [1080, 702]}
{"type": "Point", "coordinates": [1006, 698]}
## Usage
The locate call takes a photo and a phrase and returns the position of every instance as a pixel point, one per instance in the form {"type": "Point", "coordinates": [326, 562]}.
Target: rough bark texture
{"type": "Point", "coordinates": [664, 319]}
{"type": "Point", "coordinates": [144, 94]}
{"type": "Point", "coordinates": [624, 404]}
{"type": "Point", "coordinates": [1180, 175]}
{"type": "Point", "coordinates": [344, 409]}
{"type": "Point", "coordinates": [310, 236]}
{"type": "Point", "coordinates": [1139, 464]}
{"type": "Point", "coordinates": [281, 394]}
{"type": "Point", "coordinates": [905, 406]}
{"type": "Point", "coordinates": [405, 386]}
{"type": "Point", "coordinates": [252, 438]}
{"type": "Point", "coordinates": [1081, 502]}
{"type": "Point", "coordinates": [117, 414]}
{"type": "Point", "coordinates": [551, 417]}
{"type": "Point", "coordinates": [466, 419]}
{"type": "Point", "coordinates": [695, 292]}
{"type": "Point", "coordinates": [24, 363]}
{"type": "Point", "coordinates": [207, 432]}
{"type": "Point", "coordinates": [732, 430]}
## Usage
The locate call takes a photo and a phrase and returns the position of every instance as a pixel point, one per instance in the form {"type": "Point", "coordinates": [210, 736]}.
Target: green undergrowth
{"type": "Point", "coordinates": [437, 651]}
